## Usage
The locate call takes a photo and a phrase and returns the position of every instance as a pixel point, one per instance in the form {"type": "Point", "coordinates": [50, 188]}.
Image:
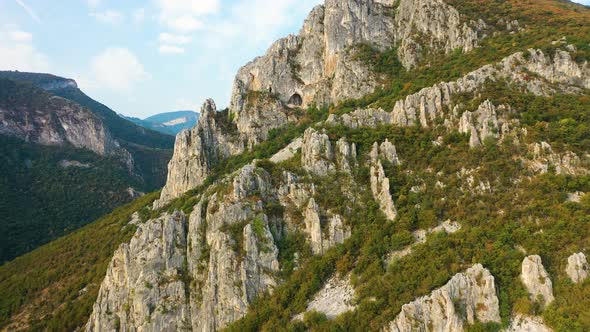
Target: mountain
{"type": "Point", "coordinates": [149, 149]}
{"type": "Point", "coordinates": [62, 166]}
{"type": "Point", "coordinates": [170, 123]}
{"type": "Point", "coordinates": [123, 130]}
{"type": "Point", "coordinates": [396, 166]}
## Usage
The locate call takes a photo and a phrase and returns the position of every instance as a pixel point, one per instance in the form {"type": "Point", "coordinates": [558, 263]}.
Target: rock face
{"type": "Point", "coordinates": [441, 25]}
{"type": "Point", "coordinates": [144, 289]}
{"type": "Point", "coordinates": [577, 267]}
{"type": "Point", "coordinates": [467, 297]}
{"type": "Point", "coordinates": [197, 273]}
{"type": "Point", "coordinates": [318, 65]}
{"type": "Point", "coordinates": [379, 182]}
{"type": "Point", "coordinates": [319, 157]}
{"type": "Point", "coordinates": [335, 297]}
{"type": "Point", "coordinates": [323, 238]}
{"type": "Point", "coordinates": [544, 157]}
{"type": "Point", "coordinates": [288, 152]}
{"type": "Point", "coordinates": [420, 235]}
{"type": "Point", "coordinates": [196, 151]}
{"type": "Point", "coordinates": [38, 117]}
{"type": "Point", "coordinates": [201, 272]}
{"type": "Point", "coordinates": [536, 280]}
{"type": "Point", "coordinates": [522, 323]}
{"type": "Point", "coordinates": [484, 123]}
{"type": "Point", "coordinates": [437, 102]}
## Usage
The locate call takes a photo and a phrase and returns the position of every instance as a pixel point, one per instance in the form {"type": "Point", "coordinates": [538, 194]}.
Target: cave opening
{"type": "Point", "coordinates": [296, 100]}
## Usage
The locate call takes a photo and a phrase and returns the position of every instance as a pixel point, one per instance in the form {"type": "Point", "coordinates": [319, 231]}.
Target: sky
{"type": "Point", "coordinates": [146, 57]}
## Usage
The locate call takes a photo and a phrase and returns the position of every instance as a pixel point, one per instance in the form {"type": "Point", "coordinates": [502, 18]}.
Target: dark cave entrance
{"type": "Point", "coordinates": [296, 100]}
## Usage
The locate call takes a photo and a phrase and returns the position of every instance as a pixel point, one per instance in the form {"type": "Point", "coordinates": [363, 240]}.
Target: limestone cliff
{"type": "Point", "coordinates": [35, 116]}
{"type": "Point", "coordinates": [317, 66]}
{"type": "Point", "coordinates": [196, 152]}
{"type": "Point", "coordinates": [466, 298]}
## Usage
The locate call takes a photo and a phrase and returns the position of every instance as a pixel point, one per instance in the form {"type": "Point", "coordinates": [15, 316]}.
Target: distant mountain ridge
{"type": "Point", "coordinates": [66, 159]}
{"type": "Point", "coordinates": [170, 123]}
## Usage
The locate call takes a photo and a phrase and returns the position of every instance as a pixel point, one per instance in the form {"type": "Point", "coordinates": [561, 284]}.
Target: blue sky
{"type": "Point", "coordinates": [145, 57]}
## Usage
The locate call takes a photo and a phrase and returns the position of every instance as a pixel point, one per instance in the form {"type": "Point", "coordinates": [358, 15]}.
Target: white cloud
{"type": "Point", "coordinates": [17, 51]}
{"type": "Point", "coordinates": [112, 17]}
{"type": "Point", "coordinates": [170, 49]}
{"type": "Point", "coordinates": [184, 15]}
{"type": "Point", "coordinates": [117, 69]}
{"type": "Point", "coordinates": [168, 38]}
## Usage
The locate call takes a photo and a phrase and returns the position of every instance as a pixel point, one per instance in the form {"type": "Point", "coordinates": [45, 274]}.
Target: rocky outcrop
{"type": "Point", "coordinates": [201, 272]}
{"type": "Point", "coordinates": [198, 274]}
{"type": "Point", "coordinates": [144, 289]}
{"type": "Point", "coordinates": [287, 152]}
{"type": "Point", "coordinates": [543, 157]}
{"type": "Point", "coordinates": [335, 298]}
{"type": "Point", "coordinates": [485, 123]}
{"type": "Point", "coordinates": [577, 267]}
{"type": "Point", "coordinates": [466, 298]}
{"type": "Point", "coordinates": [370, 118]}
{"type": "Point", "coordinates": [437, 102]}
{"type": "Point", "coordinates": [536, 280]}
{"type": "Point", "coordinates": [440, 26]}
{"type": "Point", "coordinates": [38, 117]}
{"type": "Point", "coordinates": [379, 182]}
{"type": "Point", "coordinates": [319, 157]}
{"type": "Point", "coordinates": [322, 237]}
{"type": "Point", "coordinates": [197, 151]}
{"type": "Point", "coordinates": [522, 323]}
{"type": "Point", "coordinates": [232, 253]}
{"type": "Point", "coordinates": [318, 65]}
{"type": "Point", "coordinates": [420, 236]}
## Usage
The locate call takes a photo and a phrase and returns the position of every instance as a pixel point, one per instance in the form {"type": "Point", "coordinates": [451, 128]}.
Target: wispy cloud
{"type": "Point", "coordinates": [29, 11]}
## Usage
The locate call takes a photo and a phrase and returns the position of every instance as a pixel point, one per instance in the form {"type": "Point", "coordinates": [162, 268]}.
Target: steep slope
{"type": "Point", "coordinates": [38, 117]}
{"type": "Point", "coordinates": [122, 129]}
{"type": "Point", "coordinates": [150, 149]}
{"type": "Point", "coordinates": [61, 168]}
{"type": "Point", "coordinates": [449, 196]}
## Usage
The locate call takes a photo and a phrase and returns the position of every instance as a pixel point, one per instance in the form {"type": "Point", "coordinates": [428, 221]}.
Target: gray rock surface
{"type": "Point", "coordinates": [196, 152]}
{"type": "Point", "coordinates": [543, 157]}
{"type": "Point", "coordinates": [379, 182]}
{"type": "Point", "coordinates": [558, 74]}
{"type": "Point", "coordinates": [144, 289]}
{"type": "Point", "coordinates": [58, 121]}
{"type": "Point", "coordinates": [466, 298]}
{"type": "Point", "coordinates": [577, 267]}
{"type": "Point", "coordinates": [522, 323]}
{"type": "Point", "coordinates": [288, 152]}
{"type": "Point", "coordinates": [335, 298]}
{"type": "Point", "coordinates": [536, 280]}
{"type": "Point", "coordinates": [320, 157]}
